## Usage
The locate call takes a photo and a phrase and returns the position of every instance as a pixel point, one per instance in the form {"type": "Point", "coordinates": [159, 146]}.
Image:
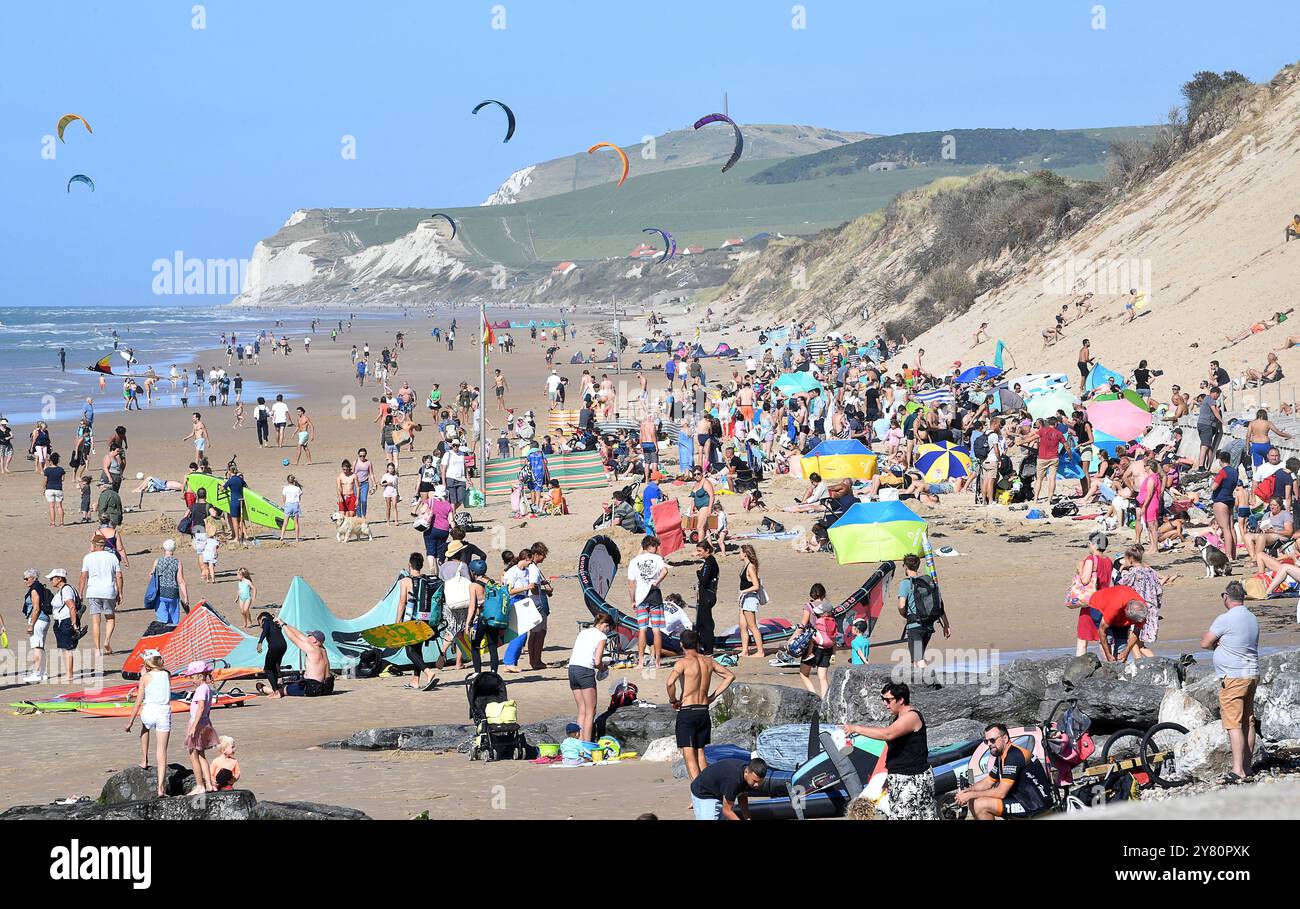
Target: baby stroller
{"type": "Point", "coordinates": [497, 736]}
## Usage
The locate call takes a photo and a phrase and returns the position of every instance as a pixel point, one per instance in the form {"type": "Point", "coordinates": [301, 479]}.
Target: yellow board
{"type": "Point", "coordinates": [841, 467]}
{"type": "Point", "coordinates": [399, 634]}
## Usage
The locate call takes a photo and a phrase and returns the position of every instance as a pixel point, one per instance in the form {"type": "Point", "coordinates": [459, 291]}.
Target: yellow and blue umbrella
{"type": "Point", "coordinates": [941, 461]}
{"type": "Point", "coordinates": [877, 532]}
{"type": "Point", "coordinates": [839, 459]}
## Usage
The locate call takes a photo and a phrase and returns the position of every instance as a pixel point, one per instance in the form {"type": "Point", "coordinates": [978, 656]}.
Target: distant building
{"type": "Point", "coordinates": [884, 165]}
{"type": "Point", "coordinates": [733, 242]}
{"type": "Point", "coordinates": [644, 251]}
{"type": "Point", "coordinates": [563, 268]}
{"type": "Point", "coordinates": [692, 250]}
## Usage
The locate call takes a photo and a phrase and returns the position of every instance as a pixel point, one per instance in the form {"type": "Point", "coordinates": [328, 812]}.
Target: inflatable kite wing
{"type": "Point", "coordinates": [66, 119]}
{"type": "Point", "coordinates": [80, 178]}
{"type": "Point", "coordinates": [510, 116]}
{"type": "Point", "coordinates": [740, 139]}
{"type": "Point", "coordinates": [618, 151]}
{"type": "Point", "coordinates": [670, 245]}
{"type": "Point", "coordinates": [450, 221]}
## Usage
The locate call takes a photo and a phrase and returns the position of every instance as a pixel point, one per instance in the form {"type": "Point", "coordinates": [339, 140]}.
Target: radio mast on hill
{"type": "Point", "coordinates": [724, 104]}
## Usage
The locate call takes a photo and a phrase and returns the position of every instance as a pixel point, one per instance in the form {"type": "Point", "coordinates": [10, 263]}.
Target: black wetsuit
{"type": "Point", "coordinates": [707, 581]}
{"type": "Point", "coordinates": [273, 639]}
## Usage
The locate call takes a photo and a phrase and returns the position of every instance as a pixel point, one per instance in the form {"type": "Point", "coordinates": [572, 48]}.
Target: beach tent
{"type": "Point", "coordinates": [502, 324]}
{"type": "Point", "coordinates": [1100, 376]}
{"type": "Point", "coordinates": [1035, 382]}
{"type": "Point", "coordinates": [838, 459]}
{"type": "Point", "coordinates": [305, 610]}
{"type": "Point", "coordinates": [978, 374]}
{"type": "Point", "coordinates": [1006, 401]}
{"type": "Point", "coordinates": [725, 350]}
{"type": "Point", "coordinates": [1070, 466]}
{"type": "Point", "coordinates": [578, 359]}
{"type": "Point", "coordinates": [670, 429]}
{"type": "Point", "coordinates": [877, 532]}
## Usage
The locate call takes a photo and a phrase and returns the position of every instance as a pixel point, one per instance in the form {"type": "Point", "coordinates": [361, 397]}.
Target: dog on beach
{"type": "Point", "coordinates": [1215, 559]}
{"type": "Point", "coordinates": [350, 527]}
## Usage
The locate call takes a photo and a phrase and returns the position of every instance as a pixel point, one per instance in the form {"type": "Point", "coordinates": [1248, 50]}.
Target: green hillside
{"type": "Point", "coordinates": [1016, 149]}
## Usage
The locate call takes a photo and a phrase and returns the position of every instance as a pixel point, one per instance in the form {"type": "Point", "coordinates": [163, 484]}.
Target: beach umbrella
{"type": "Point", "coordinates": [839, 459]}
{"type": "Point", "coordinates": [1119, 417]}
{"type": "Point", "coordinates": [1099, 376]}
{"type": "Point", "coordinates": [1034, 382]}
{"type": "Point", "coordinates": [793, 383]}
{"type": "Point", "coordinates": [1046, 404]}
{"type": "Point", "coordinates": [1006, 400]}
{"type": "Point", "coordinates": [877, 532]}
{"type": "Point", "coordinates": [1105, 442]}
{"type": "Point", "coordinates": [1126, 394]}
{"type": "Point", "coordinates": [974, 374]}
{"type": "Point", "coordinates": [943, 461]}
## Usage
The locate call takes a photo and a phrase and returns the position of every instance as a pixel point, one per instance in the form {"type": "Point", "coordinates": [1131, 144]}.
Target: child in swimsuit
{"type": "Point", "coordinates": [247, 592]}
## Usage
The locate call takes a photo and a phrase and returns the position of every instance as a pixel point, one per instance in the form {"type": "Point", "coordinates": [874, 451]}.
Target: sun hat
{"type": "Point", "coordinates": [440, 491]}
{"type": "Point", "coordinates": [454, 547]}
{"type": "Point", "coordinates": [57, 573]}
{"type": "Point", "coordinates": [197, 667]}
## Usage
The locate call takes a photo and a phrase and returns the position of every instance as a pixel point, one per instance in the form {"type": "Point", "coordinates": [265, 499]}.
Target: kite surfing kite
{"type": "Point", "coordinates": [68, 118]}
{"type": "Point", "coordinates": [450, 221]}
{"type": "Point", "coordinates": [618, 151]}
{"type": "Point", "coordinates": [510, 116]}
{"type": "Point", "coordinates": [740, 140]}
{"type": "Point", "coordinates": [105, 363]}
{"type": "Point", "coordinates": [80, 178]}
{"type": "Point", "coordinates": [670, 245]}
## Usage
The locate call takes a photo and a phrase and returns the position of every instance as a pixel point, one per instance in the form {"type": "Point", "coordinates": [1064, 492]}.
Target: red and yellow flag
{"type": "Point", "coordinates": [489, 337]}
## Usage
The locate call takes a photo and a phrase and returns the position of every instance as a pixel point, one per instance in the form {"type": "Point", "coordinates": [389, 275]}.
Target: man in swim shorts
{"type": "Point", "coordinates": [688, 692]}
{"type": "Point", "coordinates": [316, 680]}
{"type": "Point", "coordinates": [347, 486]}
{"type": "Point", "coordinates": [199, 434]}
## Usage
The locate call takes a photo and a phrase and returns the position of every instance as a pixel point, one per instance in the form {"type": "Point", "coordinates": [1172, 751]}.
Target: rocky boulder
{"type": "Point", "coordinates": [137, 784]}
{"type": "Point", "coordinates": [1079, 669]}
{"type": "Point", "coordinates": [1205, 691]}
{"type": "Point", "coordinates": [304, 811]}
{"type": "Point", "coordinates": [766, 705]}
{"type": "Point", "coordinates": [1277, 663]}
{"type": "Point", "coordinates": [232, 805]}
{"type": "Point", "coordinates": [1120, 703]}
{"type": "Point", "coordinates": [662, 751]}
{"type": "Point", "coordinates": [636, 727]}
{"type": "Point", "coordinates": [1278, 707]}
{"type": "Point", "coordinates": [953, 732]}
{"type": "Point", "coordinates": [1206, 754]}
{"type": "Point", "coordinates": [1177, 706]}
{"type": "Point", "coordinates": [1163, 672]}
{"type": "Point", "coordinates": [437, 737]}
{"type": "Point", "coordinates": [854, 694]}
{"type": "Point", "coordinates": [739, 730]}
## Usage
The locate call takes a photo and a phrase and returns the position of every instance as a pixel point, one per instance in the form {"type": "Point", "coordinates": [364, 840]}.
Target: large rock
{"type": "Point", "coordinates": [1119, 703]}
{"type": "Point", "coordinates": [138, 784]}
{"type": "Point", "coordinates": [549, 731]}
{"type": "Point", "coordinates": [1080, 668]}
{"type": "Point", "coordinates": [1276, 663]}
{"type": "Point", "coordinates": [662, 751]}
{"type": "Point", "coordinates": [1010, 694]}
{"type": "Point", "coordinates": [437, 739]}
{"type": "Point", "coordinates": [1205, 691]}
{"type": "Point", "coordinates": [1278, 707]}
{"type": "Point", "coordinates": [953, 732]}
{"type": "Point", "coordinates": [1206, 754]}
{"type": "Point", "coordinates": [235, 805]}
{"type": "Point", "coordinates": [740, 730]}
{"type": "Point", "coordinates": [636, 727]}
{"type": "Point", "coordinates": [854, 694]}
{"type": "Point", "coordinates": [305, 811]}
{"type": "Point", "coordinates": [1177, 706]}
{"type": "Point", "coordinates": [1163, 672]}
{"type": "Point", "coordinates": [767, 705]}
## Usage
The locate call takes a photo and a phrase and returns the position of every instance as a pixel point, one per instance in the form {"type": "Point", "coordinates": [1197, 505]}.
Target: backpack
{"type": "Point", "coordinates": [45, 599]}
{"type": "Point", "coordinates": [981, 447]}
{"type": "Point", "coordinates": [428, 594]}
{"type": "Point", "coordinates": [924, 604]}
{"type": "Point", "coordinates": [800, 641]}
{"type": "Point", "coordinates": [825, 628]}
{"type": "Point", "coordinates": [496, 605]}
{"type": "Point", "coordinates": [1266, 488]}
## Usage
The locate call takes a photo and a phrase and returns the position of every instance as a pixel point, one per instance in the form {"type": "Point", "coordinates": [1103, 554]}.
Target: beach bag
{"type": "Point", "coordinates": [1266, 488]}
{"type": "Point", "coordinates": [924, 604]}
{"type": "Point", "coordinates": [151, 592]}
{"type": "Point", "coordinates": [1080, 594]}
{"type": "Point", "coordinates": [185, 525]}
{"type": "Point", "coordinates": [981, 448]}
{"type": "Point", "coordinates": [429, 599]}
{"type": "Point", "coordinates": [800, 641]}
{"type": "Point", "coordinates": [496, 606]}
{"type": "Point", "coordinates": [825, 631]}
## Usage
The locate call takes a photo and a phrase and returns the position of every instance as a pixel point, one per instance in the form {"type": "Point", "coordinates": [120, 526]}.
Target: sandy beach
{"type": "Point", "coordinates": [1004, 595]}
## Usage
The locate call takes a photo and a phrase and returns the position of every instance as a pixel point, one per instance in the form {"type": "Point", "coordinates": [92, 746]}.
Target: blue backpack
{"type": "Point", "coordinates": [496, 605]}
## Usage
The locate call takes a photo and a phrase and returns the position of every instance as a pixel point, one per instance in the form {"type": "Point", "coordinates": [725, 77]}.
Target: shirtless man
{"type": "Point", "coordinates": [1085, 364]}
{"type": "Point", "coordinates": [982, 330]}
{"type": "Point", "coordinates": [649, 445]}
{"type": "Point", "coordinates": [1257, 435]}
{"type": "Point", "coordinates": [199, 434]}
{"type": "Point", "coordinates": [607, 395]}
{"type": "Point", "coordinates": [501, 386]}
{"type": "Point", "coordinates": [348, 489]}
{"type": "Point", "coordinates": [312, 684]}
{"type": "Point", "coordinates": [688, 692]}
{"type": "Point", "coordinates": [306, 432]}
{"type": "Point", "coordinates": [745, 401]}
{"type": "Point", "coordinates": [1177, 401]}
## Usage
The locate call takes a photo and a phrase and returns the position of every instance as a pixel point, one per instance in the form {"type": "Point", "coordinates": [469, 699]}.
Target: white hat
{"type": "Point", "coordinates": [57, 573]}
{"type": "Point", "coordinates": [440, 491]}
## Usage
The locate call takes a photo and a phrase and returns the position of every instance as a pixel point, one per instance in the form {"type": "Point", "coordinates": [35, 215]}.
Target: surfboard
{"type": "Point", "coordinates": [398, 634]}
{"type": "Point", "coordinates": [178, 706]}
{"type": "Point", "coordinates": [257, 509]}
{"type": "Point", "coordinates": [180, 684]}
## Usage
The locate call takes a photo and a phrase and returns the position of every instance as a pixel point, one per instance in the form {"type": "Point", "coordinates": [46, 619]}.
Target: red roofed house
{"type": "Point", "coordinates": [563, 268]}
{"type": "Point", "coordinates": [644, 251]}
{"type": "Point", "coordinates": [736, 242]}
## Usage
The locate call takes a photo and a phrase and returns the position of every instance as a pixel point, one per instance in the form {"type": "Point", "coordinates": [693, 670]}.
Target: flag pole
{"type": "Point", "coordinates": [482, 400]}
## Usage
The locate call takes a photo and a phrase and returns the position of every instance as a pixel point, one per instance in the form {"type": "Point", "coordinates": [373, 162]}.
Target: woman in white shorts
{"type": "Point", "coordinates": [153, 704]}
{"type": "Point", "coordinates": [750, 599]}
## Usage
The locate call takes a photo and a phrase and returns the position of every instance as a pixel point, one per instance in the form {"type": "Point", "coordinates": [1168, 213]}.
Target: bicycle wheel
{"type": "Point", "coordinates": [1124, 750]}
{"type": "Point", "coordinates": [1158, 754]}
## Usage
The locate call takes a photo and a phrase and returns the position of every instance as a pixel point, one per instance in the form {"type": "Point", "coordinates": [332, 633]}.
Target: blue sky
{"type": "Point", "coordinates": [207, 139]}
